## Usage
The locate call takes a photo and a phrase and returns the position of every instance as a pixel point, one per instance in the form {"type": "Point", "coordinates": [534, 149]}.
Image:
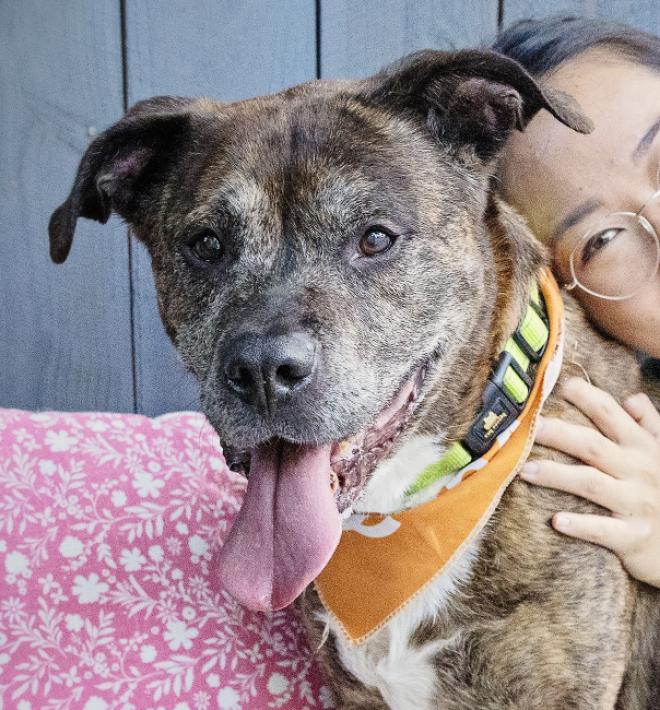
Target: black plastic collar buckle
{"type": "Point", "coordinates": [498, 410]}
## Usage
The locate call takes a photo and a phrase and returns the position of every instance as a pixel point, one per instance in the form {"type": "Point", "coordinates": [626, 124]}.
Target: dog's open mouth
{"type": "Point", "coordinates": [290, 521]}
{"type": "Point", "coordinates": [353, 460]}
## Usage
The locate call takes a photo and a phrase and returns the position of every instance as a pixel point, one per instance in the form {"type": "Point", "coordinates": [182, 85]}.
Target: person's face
{"type": "Point", "coordinates": [565, 184]}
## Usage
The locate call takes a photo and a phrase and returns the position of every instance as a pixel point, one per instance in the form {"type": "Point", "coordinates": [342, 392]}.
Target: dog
{"type": "Point", "coordinates": [322, 255]}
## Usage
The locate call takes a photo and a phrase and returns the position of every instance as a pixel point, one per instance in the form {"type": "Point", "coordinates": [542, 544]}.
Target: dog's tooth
{"type": "Point", "coordinates": [346, 449]}
{"type": "Point", "coordinates": [334, 481]}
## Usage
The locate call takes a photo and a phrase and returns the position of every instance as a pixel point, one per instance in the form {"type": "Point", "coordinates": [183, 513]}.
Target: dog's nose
{"type": "Point", "coordinates": [262, 371]}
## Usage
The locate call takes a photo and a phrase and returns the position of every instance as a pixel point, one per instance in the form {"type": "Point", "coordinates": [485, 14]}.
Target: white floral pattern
{"type": "Point", "coordinates": [110, 526]}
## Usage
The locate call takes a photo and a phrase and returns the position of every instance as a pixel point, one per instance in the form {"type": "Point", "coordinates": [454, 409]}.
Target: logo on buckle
{"type": "Point", "coordinates": [491, 420]}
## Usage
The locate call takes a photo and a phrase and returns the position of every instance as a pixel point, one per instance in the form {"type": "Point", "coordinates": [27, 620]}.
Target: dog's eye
{"type": "Point", "coordinates": [206, 246]}
{"type": "Point", "coordinates": [376, 241]}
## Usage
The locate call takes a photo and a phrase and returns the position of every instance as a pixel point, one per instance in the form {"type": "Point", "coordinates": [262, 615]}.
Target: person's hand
{"type": "Point", "coordinates": [621, 472]}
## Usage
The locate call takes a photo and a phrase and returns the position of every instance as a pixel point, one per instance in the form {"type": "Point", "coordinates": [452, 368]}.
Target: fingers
{"type": "Point", "coordinates": [621, 474]}
{"type": "Point", "coordinates": [583, 481]}
{"type": "Point", "coordinates": [615, 422]}
{"type": "Point", "coordinates": [641, 409]}
{"type": "Point", "coordinates": [614, 534]}
{"type": "Point", "coordinates": [581, 442]}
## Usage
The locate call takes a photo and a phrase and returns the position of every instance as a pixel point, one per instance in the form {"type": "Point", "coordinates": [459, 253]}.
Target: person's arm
{"type": "Point", "coordinates": [620, 471]}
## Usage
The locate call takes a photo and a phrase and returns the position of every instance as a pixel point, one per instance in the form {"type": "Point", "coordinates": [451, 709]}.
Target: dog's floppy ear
{"type": "Point", "coordinates": [471, 97]}
{"type": "Point", "coordinates": [118, 167]}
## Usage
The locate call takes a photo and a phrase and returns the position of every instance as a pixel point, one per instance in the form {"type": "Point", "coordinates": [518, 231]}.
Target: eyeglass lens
{"type": "Point", "coordinates": [617, 257]}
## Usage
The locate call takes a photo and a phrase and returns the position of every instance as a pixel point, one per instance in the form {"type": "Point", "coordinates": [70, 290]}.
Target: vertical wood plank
{"type": "Point", "coordinates": [65, 329]}
{"type": "Point", "coordinates": [644, 14]}
{"type": "Point", "coordinates": [227, 50]}
{"type": "Point", "coordinates": [359, 38]}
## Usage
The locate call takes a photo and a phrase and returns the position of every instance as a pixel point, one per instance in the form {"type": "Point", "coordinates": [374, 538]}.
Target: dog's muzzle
{"type": "Point", "coordinates": [300, 481]}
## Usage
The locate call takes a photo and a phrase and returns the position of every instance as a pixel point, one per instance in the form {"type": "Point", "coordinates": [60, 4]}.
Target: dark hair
{"type": "Point", "coordinates": [542, 45]}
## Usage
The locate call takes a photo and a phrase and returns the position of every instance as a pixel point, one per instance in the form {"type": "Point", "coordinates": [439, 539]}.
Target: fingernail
{"type": "Point", "coordinates": [561, 521]}
{"type": "Point", "coordinates": [529, 470]}
{"type": "Point", "coordinates": [540, 421]}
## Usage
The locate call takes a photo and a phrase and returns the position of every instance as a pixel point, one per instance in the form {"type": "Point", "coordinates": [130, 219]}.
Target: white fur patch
{"type": "Point", "coordinates": [405, 675]}
{"type": "Point", "coordinates": [385, 492]}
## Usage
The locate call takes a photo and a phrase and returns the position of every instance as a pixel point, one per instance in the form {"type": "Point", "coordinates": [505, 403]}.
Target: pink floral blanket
{"type": "Point", "coordinates": [110, 525]}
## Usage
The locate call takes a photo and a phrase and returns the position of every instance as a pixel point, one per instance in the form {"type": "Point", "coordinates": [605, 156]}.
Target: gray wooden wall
{"type": "Point", "coordinates": [86, 335]}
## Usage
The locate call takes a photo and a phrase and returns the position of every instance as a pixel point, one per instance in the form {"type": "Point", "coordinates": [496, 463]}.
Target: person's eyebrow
{"type": "Point", "coordinates": [646, 141]}
{"type": "Point", "coordinates": [572, 218]}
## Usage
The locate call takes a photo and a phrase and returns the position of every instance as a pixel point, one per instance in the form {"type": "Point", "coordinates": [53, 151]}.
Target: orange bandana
{"type": "Point", "coordinates": [384, 561]}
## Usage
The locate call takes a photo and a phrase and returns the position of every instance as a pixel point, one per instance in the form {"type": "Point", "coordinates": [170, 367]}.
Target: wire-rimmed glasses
{"type": "Point", "coordinates": [618, 255]}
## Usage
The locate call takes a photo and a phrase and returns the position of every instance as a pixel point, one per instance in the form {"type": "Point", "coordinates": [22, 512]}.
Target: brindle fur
{"type": "Point", "coordinates": [291, 182]}
{"type": "Point", "coordinates": [542, 621]}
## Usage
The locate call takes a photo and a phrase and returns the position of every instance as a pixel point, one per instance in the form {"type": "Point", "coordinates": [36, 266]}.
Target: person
{"type": "Point", "coordinates": [595, 201]}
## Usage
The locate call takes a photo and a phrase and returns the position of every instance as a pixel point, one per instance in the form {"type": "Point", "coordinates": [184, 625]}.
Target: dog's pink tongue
{"type": "Point", "coordinates": [287, 528]}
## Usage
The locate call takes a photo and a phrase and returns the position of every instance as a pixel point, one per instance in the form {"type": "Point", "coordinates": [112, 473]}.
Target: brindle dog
{"type": "Point", "coordinates": [317, 251]}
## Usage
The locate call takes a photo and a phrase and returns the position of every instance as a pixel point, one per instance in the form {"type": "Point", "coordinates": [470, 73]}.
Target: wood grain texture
{"type": "Point", "coordinates": [66, 329]}
{"type": "Point", "coordinates": [227, 50]}
{"type": "Point", "coordinates": [358, 38]}
{"type": "Point", "coordinates": [644, 14]}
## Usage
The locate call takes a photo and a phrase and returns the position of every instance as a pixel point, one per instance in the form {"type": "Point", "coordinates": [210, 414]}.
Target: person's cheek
{"type": "Point", "coordinates": [635, 321]}
{"type": "Point", "coordinates": [640, 319]}
{"type": "Point", "coordinates": [650, 325]}
{"type": "Point", "coordinates": [613, 317]}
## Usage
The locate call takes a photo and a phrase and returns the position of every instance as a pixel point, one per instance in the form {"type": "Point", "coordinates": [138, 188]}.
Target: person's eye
{"type": "Point", "coordinates": [598, 242]}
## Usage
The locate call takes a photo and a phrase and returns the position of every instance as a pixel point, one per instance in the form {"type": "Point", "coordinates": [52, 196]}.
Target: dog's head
{"type": "Point", "coordinates": [322, 257]}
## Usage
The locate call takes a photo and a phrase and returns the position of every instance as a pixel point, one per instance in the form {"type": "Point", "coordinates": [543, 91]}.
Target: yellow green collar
{"type": "Point", "coordinates": [505, 395]}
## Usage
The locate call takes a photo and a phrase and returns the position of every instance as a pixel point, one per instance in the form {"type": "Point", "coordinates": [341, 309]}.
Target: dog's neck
{"type": "Point", "coordinates": [457, 391]}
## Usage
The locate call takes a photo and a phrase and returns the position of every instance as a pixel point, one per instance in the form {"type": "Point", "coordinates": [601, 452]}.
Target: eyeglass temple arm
{"type": "Point", "coordinates": [654, 196]}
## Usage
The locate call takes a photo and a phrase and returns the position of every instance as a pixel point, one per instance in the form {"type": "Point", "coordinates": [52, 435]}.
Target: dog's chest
{"type": "Point", "coordinates": [400, 666]}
